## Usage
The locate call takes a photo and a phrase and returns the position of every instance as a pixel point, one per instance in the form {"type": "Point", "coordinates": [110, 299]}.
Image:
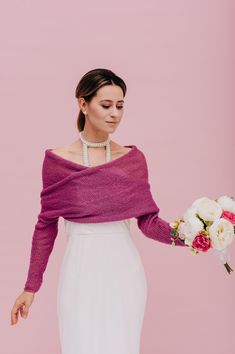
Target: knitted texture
{"type": "Point", "coordinates": [115, 190]}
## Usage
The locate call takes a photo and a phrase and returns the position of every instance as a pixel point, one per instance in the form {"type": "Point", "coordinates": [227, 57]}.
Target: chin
{"type": "Point", "coordinates": [111, 127]}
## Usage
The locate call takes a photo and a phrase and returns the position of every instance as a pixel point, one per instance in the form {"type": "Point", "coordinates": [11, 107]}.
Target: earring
{"type": "Point", "coordinates": [84, 112]}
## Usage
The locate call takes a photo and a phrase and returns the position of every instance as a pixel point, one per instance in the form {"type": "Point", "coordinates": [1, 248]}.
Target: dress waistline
{"type": "Point", "coordinates": [97, 228]}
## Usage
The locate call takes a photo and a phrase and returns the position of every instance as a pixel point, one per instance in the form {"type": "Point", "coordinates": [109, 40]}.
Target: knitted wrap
{"type": "Point", "coordinates": [115, 190]}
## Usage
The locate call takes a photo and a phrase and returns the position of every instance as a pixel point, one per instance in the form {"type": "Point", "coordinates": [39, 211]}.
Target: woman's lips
{"type": "Point", "coordinates": [112, 122]}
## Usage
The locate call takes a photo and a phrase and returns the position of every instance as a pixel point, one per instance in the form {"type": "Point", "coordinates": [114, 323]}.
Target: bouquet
{"type": "Point", "coordinates": [208, 223]}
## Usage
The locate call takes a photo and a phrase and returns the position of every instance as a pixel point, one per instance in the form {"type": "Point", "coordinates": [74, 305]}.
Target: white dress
{"type": "Point", "coordinates": [102, 290]}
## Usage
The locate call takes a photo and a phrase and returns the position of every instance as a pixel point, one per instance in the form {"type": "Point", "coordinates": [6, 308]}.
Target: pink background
{"type": "Point", "coordinates": [177, 59]}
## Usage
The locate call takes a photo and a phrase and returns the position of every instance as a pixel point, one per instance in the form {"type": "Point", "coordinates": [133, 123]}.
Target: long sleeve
{"type": "Point", "coordinates": [156, 228]}
{"type": "Point", "coordinates": [44, 235]}
{"type": "Point", "coordinates": [42, 244]}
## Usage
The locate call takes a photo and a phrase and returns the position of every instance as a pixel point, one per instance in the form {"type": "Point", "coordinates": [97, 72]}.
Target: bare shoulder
{"type": "Point", "coordinates": [119, 149]}
{"type": "Point", "coordinates": [62, 151]}
{"type": "Point", "coordinates": [72, 152]}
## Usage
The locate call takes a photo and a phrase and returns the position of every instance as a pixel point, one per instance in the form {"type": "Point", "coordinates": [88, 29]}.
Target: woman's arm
{"type": "Point", "coordinates": [158, 229]}
{"type": "Point", "coordinates": [42, 244]}
{"type": "Point", "coordinates": [44, 235]}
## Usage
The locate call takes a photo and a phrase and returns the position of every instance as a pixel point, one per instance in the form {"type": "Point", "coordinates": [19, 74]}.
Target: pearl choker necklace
{"type": "Point", "coordinates": [87, 143]}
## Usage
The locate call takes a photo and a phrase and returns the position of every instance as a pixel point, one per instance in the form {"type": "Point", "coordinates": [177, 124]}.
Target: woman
{"type": "Point", "coordinates": [97, 186]}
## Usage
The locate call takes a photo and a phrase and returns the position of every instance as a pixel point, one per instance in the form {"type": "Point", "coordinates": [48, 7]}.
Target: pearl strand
{"type": "Point", "coordinates": [87, 143]}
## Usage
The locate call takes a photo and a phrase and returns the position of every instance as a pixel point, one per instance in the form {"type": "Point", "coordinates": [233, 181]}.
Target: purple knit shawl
{"type": "Point", "coordinates": [114, 190]}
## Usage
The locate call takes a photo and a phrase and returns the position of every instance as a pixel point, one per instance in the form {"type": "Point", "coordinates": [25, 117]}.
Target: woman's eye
{"type": "Point", "coordinates": [109, 107]}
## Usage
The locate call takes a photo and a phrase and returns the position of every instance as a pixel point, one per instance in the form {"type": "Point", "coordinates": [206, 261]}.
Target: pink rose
{"type": "Point", "coordinates": [201, 243]}
{"type": "Point", "coordinates": [229, 216]}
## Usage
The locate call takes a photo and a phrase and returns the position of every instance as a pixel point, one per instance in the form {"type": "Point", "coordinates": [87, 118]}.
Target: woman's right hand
{"type": "Point", "coordinates": [21, 305]}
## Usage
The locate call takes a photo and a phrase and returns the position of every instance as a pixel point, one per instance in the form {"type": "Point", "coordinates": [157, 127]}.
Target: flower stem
{"type": "Point", "coordinates": [228, 268]}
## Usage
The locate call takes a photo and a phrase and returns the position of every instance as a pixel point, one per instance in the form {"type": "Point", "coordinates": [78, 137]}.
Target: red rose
{"type": "Point", "coordinates": [229, 216]}
{"type": "Point", "coordinates": [201, 243]}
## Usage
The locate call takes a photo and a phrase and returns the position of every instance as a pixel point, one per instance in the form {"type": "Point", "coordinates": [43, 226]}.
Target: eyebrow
{"type": "Point", "coordinates": [111, 100]}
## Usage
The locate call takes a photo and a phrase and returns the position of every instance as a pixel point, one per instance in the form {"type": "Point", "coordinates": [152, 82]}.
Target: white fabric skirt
{"type": "Point", "coordinates": [102, 290]}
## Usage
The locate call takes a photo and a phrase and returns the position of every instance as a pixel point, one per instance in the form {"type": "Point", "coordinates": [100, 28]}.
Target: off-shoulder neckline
{"type": "Point", "coordinates": [56, 157]}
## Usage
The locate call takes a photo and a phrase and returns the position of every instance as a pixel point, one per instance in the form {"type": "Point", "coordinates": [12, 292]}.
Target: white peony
{"type": "Point", "coordinates": [190, 212]}
{"type": "Point", "coordinates": [208, 209]}
{"type": "Point", "coordinates": [190, 229]}
{"type": "Point", "coordinates": [227, 203]}
{"type": "Point", "coordinates": [199, 200]}
{"type": "Point", "coordinates": [221, 233]}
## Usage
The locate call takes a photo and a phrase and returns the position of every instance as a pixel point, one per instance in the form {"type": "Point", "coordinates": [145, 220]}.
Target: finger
{"type": "Point", "coordinates": [24, 311]}
{"type": "Point", "coordinates": [14, 315]}
{"type": "Point", "coordinates": [15, 312]}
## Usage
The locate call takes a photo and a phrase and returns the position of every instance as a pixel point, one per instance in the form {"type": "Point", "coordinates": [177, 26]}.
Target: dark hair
{"type": "Point", "coordinates": [90, 83]}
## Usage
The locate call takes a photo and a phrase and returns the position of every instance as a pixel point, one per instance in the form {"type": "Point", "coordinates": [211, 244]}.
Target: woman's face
{"type": "Point", "coordinates": [107, 106]}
